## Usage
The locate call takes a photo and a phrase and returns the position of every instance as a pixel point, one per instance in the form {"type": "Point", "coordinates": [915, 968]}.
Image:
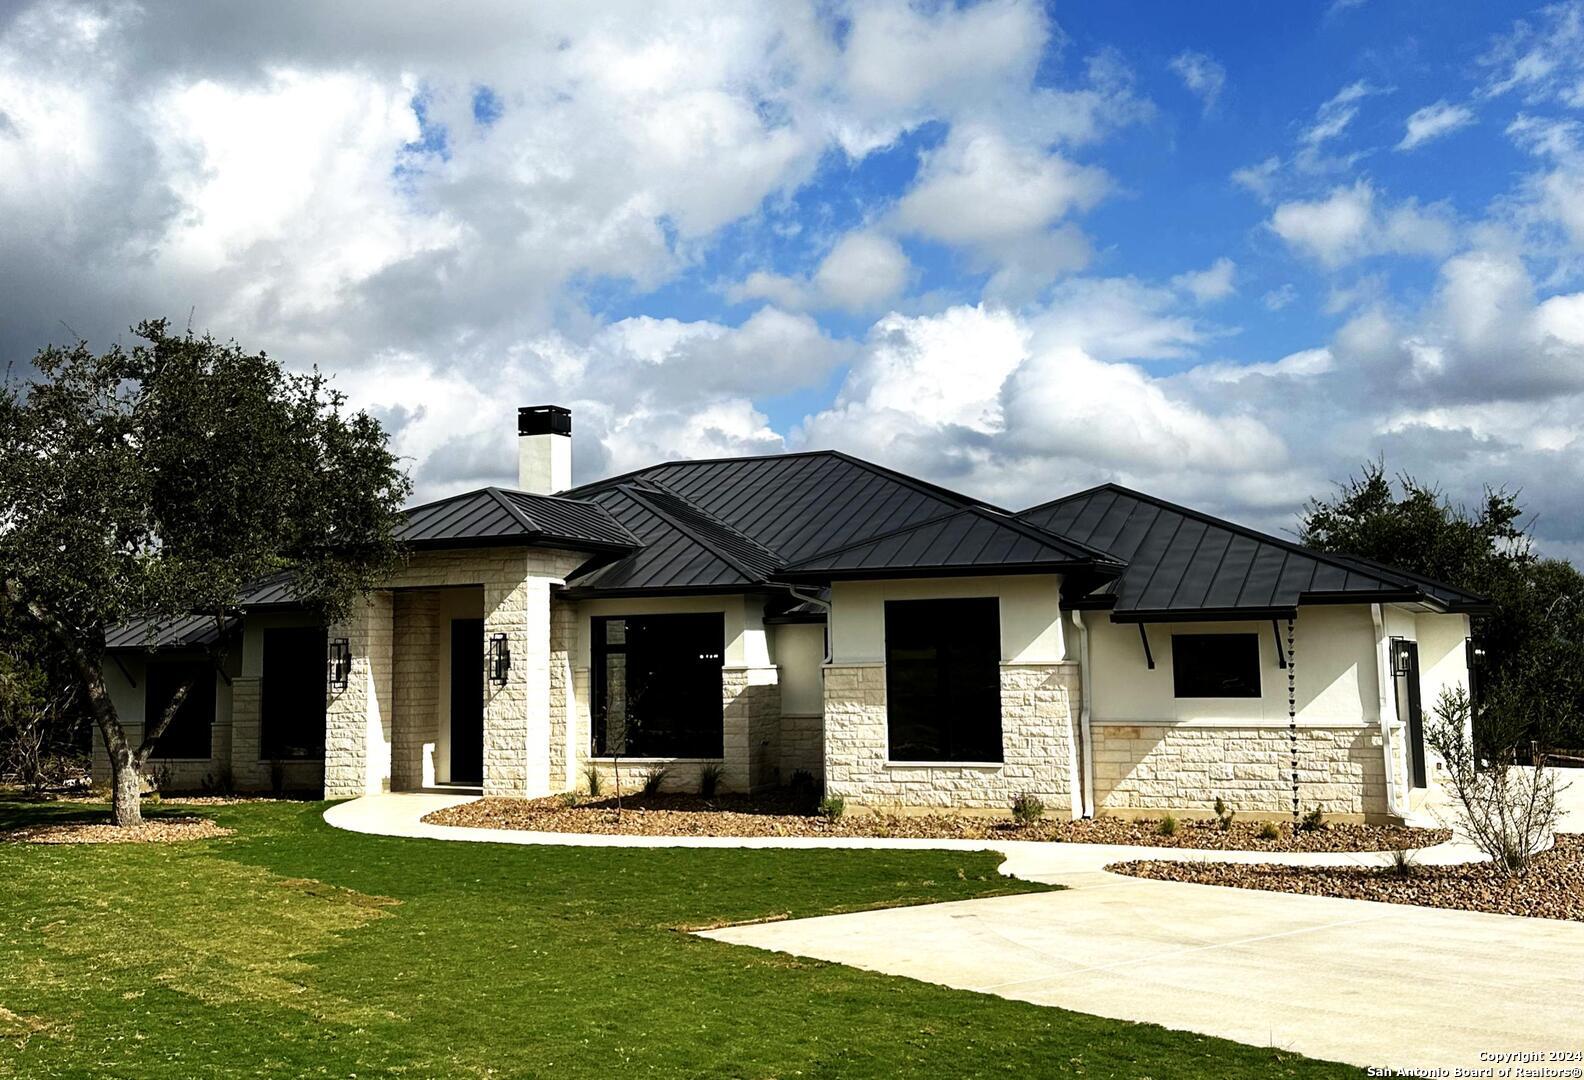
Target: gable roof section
{"type": "Point", "coordinates": [973, 540]}
{"type": "Point", "coordinates": [796, 505]}
{"type": "Point", "coordinates": [1183, 563]}
{"type": "Point", "coordinates": [497, 516]}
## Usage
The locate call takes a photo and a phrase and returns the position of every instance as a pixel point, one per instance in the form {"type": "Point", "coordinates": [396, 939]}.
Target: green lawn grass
{"type": "Point", "coordinates": [293, 949]}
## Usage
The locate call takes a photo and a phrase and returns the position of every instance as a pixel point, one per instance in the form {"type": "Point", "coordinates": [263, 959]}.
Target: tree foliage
{"type": "Point", "coordinates": [160, 481]}
{"type": "Point", "coordinates": [1531, 667]}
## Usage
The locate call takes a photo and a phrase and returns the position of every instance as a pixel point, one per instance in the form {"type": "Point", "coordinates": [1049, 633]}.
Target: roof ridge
{"type": "Point", "coordinates": [1039, 532]}
{"type": "Point", "coordinates": [1232, 526]}
{"type": "Point", "coordinates": [620, 478]}
{"type": "Point", "coordinates": [516, 512]}
{"type": "Point", "coordinates": [725, 526]}
{"type": "Point", "coordinates": [638, 495]}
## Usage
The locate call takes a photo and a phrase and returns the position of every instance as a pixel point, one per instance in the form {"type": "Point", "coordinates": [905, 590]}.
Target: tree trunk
{"type": "Point", "coordinates": [126, 786]}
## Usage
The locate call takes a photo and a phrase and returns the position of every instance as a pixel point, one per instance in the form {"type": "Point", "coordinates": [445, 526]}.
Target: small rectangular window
{"type": "Point", "coordinates": [943, 679]}
{"type": "Point", "coordinates": [1216, 665]}
{"type": "Point", "coordinates": [188, 733]}
{"type": "Point", "coordinates": [292, 712]}
{"type": "Point", "coordinates": [657, 685]}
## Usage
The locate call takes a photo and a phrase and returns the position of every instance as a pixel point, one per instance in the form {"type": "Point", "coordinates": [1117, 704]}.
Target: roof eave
{"type": "Point", "coordinates": [894, 572]}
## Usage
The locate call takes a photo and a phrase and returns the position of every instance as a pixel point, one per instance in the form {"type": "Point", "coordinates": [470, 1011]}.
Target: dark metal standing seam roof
{"type": "Point", "coordinates": [496, 516]}
{"type": "Point", "coordinates": [192, 631]}
{"type": "Point", "coordinates": [1182, 563]}
{"type": "Point", "coordinates": [972, 540]}
{"type": "Point", "coordinates": [673, 555]}
{"type": "Point", "coordinates": [795, 505]}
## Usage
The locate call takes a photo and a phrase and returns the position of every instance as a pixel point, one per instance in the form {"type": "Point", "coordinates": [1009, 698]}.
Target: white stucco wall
{"type": "Point", "coordinates": [1334, 649]}
{"type": "Point", "coordinates": [798, 649]}
{"type": "Point", "coordinates": [1031, 623]}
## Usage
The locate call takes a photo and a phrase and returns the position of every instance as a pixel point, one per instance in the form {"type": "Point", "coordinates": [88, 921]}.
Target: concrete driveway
{"type": "Point", "coordinates": [1371, 984]}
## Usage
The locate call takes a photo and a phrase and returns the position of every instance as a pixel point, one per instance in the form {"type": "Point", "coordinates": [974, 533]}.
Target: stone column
{"type": "Point", "coordinates": [357, 719]}
{"type": "Point", "coordinates": [247, 704]}
{"type": "Point", "coordinates": [750, 716]}
{"type": "Point", "coordinates": [517, 715]}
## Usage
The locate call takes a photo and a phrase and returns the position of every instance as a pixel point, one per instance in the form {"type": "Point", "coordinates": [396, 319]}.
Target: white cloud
{"type": "Point", "coordinates": [1279, 297]}
{"type": "Point", "coordinates": [1004, 203]}
{"type": "Point", "coordinates": [864, 271]}
{"type": "Point", "coordinates": [1540, 60]}
{"type": "Point", "coordinates": [1260, 178]}
{"type": "Point", "coordinates": [1201, 74]}
{"type": "Point", "coordinates": [1348, 224]}
{"type": "Point", "coordinates": [1434, 121]}
{"type": "Point", "coordinates": [1333, 117]}
{"type": "Point", "coordinates": [1216, 282]}
{"type": "Point", "coordinates": [1304, 364]}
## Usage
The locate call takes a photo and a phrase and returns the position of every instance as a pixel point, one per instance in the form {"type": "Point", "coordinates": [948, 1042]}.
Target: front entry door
{"type": "Point", "coordinates": [467, 701]}
{"type": "Point", "coordinates": [1413, 710]}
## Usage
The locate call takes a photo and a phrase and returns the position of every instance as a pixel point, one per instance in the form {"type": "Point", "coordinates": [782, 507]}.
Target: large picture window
{"type": "Point", "coordinates": [943, 679]}
{"type": "Point", "coordinates": [657, 685]}
{"type": "Point", "coordinates": [1216, 665]}
{"type": "Point", "coordinates": [188, 733]}
{"type": "Point", "coordinates": [292, 717]}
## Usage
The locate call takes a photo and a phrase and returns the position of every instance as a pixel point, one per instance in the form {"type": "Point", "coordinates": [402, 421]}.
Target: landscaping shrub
{"type": "Point", "coordinates": [593, 780]}
{"type": "Point", "coordinates": [710, 778]}
{"type": "Point", "coordinates": [654, 778]}
{"type": "Point", "coordinates": [1402, 864]}
{"type": "Point", "coordinates": [832, 807]}
{"type": "Point", "coordinates": [1027, 808]}
{"type": "Point", "coordinates": [1166, 826]}
{"type": "Point", "coordinates": [1224, 815]}
{"type": "Point", "coordinates": [1312, 821]}
{"type": "Point", "coordinates": [1269, 830]}
{"type": "Point", "coordinates": [1509, 812]}
{"type": "Point", "coordinates": [805, 792]}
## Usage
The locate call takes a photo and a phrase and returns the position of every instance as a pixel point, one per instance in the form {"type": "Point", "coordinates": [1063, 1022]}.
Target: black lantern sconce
{"type": "Point", "coordinates": [340, 664]}
{"type": "Point", "coordinates": [499, 659]}
{"type": "Point", "coordinates": [1401, 658]}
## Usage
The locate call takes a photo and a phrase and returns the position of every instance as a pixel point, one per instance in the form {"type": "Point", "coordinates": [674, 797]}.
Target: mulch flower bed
{"type": "Point", "coordinates": [152, 831]}
{"type": "Point", "coordinates": [775, 815]}
{"type": "Point", "coordinates": [1553, 888]}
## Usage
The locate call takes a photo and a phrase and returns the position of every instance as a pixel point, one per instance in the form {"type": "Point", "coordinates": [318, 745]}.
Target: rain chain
{"type": "Point", "coordinates": [1292, 717]}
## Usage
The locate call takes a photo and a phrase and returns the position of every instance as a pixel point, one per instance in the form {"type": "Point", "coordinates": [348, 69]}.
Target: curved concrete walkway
{"type": "Point", "coordinates": [1371, 984]}
{"type": "Point", "coordinates": [401, 814]}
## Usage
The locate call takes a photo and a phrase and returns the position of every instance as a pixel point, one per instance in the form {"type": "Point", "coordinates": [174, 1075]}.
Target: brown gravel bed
{"type": "Point", "coordinates": [152, 831]}
{"type": "Point", "coordinates": [689, 815]}
{"type": "Point", "coordinates": [1553, 888]}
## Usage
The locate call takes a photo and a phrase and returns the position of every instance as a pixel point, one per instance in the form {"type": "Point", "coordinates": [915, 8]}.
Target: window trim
{"type": "Point", "coordinates": [941, 763]}
{"type": "Point", "coordinates": [1259, 665]}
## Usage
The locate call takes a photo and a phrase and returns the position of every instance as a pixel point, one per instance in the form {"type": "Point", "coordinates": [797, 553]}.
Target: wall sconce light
{"type": "Point", "coordinates": [340, 664]}
{"type": "Point", "coordinates": [1401, 658]}
{"type": "Point", "coordinates": [499, 659]}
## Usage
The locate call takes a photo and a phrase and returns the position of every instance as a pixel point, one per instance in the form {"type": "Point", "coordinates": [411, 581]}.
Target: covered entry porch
{"type": "Point", "coordinates": [445, 677]}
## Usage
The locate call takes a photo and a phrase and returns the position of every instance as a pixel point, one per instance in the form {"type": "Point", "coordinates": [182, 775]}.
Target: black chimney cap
{"type": "Point", "coordinates": [544, 420]}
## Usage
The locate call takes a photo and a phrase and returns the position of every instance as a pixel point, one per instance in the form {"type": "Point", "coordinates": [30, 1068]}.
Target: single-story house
{"type": "Point", "coordinates": [908, 646]}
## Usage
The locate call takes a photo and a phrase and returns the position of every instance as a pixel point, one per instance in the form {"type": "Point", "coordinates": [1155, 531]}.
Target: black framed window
{"type": "Point", "coordinates": [657, 685]}
{"type": "Point", "coordinates": [943, 679]}
{"type": "Point", "coordinates": [188, 733]}
{"type": "Point", "coordinates": [292, 706]}
{"type": "Point", "coordinates": [1216, 665]}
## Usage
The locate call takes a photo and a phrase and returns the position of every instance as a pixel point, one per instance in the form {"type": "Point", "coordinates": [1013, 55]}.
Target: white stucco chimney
{"type": "Point", "coordinates": [544, 449]}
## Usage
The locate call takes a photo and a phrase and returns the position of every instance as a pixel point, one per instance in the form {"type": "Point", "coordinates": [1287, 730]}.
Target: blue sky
{"type": "Point", "coordinates": [1222, 252]}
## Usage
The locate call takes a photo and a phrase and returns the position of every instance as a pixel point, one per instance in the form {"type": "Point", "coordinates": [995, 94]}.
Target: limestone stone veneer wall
{"type": "Point", "coordinates": [1180, 767]}
{"type": "Point", "coordinates": [364, 721]}
{"type": "Point", "coordinates": [751, 738]}
{"type": "Point", "coordinates": [1038, 703]}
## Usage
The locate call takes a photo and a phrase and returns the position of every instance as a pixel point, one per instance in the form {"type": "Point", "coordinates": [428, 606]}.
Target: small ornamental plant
{"type": "Point", "coordinates": [1027, 808]}
{"type": "Point", "coordinates": [1312, 821]}
{"type": "Point", "coordinates": [654, 779]}
{"type": "Point", "coordinates": [832, 807]}
{"type": "Point", "coordinates": [593, 780]}
{"type": "Point", "coordinates": [1269, 830]}
{"type": "Point", "coordinates": [710, 778]}
{"type": "Point", "coordinates": [1224, 815]}
{"type": "Point", "coordinates": [1166, 826]}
